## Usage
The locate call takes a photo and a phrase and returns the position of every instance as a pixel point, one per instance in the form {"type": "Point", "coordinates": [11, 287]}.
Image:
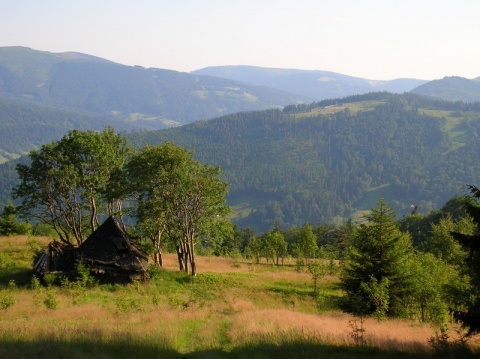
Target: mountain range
{"type": "Point", "coordinates": [44, 94]}
{"type": "Point", "coordinates": [333, 159]}
{"type": "Point", "coordinates": [316, 85]}
{"type": "Point", "coordinates": [288, 158]}
{"type": "Point", "coordinates": [147, 98]}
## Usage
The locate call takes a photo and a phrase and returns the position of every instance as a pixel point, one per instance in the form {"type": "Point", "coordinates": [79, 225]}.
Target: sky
{"type": "Point", "coordinates": [372, 39]}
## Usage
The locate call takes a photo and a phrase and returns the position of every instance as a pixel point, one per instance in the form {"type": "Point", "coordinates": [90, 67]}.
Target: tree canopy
{"type": "Point", "coordinates": [176, 196]}
{"type": "Point", "coordinates": [65, 185]}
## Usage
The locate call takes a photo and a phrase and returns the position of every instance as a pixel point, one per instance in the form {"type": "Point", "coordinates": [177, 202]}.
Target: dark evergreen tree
{"type": "Point", "coordinates": [470, 317]}
{"type": "Point", "coordinates": [376, 276]}
{"type": "Point", "coordinates": [8, 223]}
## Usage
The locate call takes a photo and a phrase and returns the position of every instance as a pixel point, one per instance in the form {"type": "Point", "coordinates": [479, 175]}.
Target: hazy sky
{"type": "Point", "coordinates": [374, 39]}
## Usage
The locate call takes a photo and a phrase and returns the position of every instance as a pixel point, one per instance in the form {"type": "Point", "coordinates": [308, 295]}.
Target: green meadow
{"type": "Point", "coordinates": [233, 308]}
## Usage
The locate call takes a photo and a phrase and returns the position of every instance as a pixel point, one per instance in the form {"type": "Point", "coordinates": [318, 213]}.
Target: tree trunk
{"type": "Point", "coordinates": [93, 218]}
{"type": "Point", "coordinates": [191, 257]}
{"type": "Point", "coordinates": [157, 244]}
{"type": "Point", "coordinates": [194, 267]}
{"type": "Point", "coordinates": [180, 258]}
{"type": "Point", "coordinates": [160, 259]}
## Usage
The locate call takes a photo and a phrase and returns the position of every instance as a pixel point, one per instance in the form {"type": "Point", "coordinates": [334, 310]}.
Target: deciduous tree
{"type": "Point", "coordinates": [177, 196]}
{"type": "Point", "coordinates": [66, 183]}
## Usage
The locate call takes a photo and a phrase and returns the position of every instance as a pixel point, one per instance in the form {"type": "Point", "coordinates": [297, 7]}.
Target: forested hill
{"type": "Point", "coordinates": [451, 88]}
{"type": "Point", "coordinates": [333, 158]}
{"type": "Point", "coordinates": [25, 126]}
{"type": "Point", "coordinates": [148, 98]}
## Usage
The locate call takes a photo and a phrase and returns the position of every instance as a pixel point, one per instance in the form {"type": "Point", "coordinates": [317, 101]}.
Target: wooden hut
{"type": "Point", "coordinates": [108, 252]}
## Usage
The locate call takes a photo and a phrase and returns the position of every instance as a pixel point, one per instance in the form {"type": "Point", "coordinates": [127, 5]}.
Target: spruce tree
{"type": "Point", "coordinates": [469, 316]}
{"type": "Point", "coordinates": [375, 273]}
{"type": "Point", "coordinates": [8, 223]}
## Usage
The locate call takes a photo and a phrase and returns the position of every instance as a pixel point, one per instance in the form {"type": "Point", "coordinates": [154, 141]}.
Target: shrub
{"type": "Point", "coordinates": [51, 301]}
{"type": "Point", "coordinates": [12, 284]}
{"type": "Point", "coordinates": [126, 304]}
{"type": "Point", "coordinates": [35, 283]}
{"type": "Point", "coordinates": [83, 276]}
{"type": "Point", "coordinates": [51, 279]}
{"type": "Point", "coordinates": [6, 300]}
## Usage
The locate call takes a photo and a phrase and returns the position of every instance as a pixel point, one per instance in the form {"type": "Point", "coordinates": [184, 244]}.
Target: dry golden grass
{"type": "Point", "coordinates": [199, 328]}
{"type": "Point", "coordinates": [232, 303]}
{"type": "Point", "coordinates": [332, 328]}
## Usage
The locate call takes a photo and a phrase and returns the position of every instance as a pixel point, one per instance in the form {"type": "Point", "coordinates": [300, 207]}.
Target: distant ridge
{"type": "Point", "coordinates": [147, 98]}
{"type": "Point", "coordinates": [317, 85]}
{"type": "Point", "coordinates": [453, 88]}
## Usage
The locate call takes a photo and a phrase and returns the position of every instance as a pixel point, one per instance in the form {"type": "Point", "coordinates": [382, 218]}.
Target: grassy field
{"type": "Point", "coordinates": [232, 309]}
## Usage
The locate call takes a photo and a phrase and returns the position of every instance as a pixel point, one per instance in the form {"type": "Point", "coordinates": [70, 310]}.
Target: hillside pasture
{"type": "Point", "coordinates": [233, 308]}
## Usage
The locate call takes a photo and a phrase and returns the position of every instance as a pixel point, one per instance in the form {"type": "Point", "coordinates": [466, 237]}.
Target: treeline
{"type": "Point", "coordinates": [422, 267]}
{"type": "Point", "coordinates": [329, 240]}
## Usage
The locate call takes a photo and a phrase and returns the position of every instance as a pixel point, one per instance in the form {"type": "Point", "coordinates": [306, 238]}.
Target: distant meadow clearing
{"type": "Point", "coordinates": [233, 308]}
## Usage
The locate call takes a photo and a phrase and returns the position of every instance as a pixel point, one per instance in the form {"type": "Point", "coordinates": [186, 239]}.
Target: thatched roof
{"type": "Point", "coordinates": [107, 252]}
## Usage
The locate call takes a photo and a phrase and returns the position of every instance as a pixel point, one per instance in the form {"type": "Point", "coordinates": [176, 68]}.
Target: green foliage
{"type": "Point", "coordinates": [83, 277]}
{"type": "Point", "coordinates": [469, 315]}
{"type": "Point", "coordinates": [51, 279]}
{"type": "Point", "coordinates": [8, 224]}
{"type": "Point", "coordinates": [317, 270]}
{"type": "Point", "coordinates": [305, 244]}
{"type": "Point", "coordinates": [274, 246]}
{"type": "Point", "coordinates": [376, 274]}
{"type": "Point", "coordinates": [219, 236]}
{"type": "Point", "coordinates": [35, 283]}
{"type": "Point", "coordinates": [6, 299]}
{"type": "Point", "coordinates": [44, 230]}
{"type": "Point", "coordinates": [307, 164]}
{"type": "Point", "coordinates": [431, 293]}
{"type": "Point", "coordinates": [65, 185]}
{"type": "Point", "coordinates": [441, 242]}
{"type": "Point", "coordinates": [127, 303]}
{"type": "Point", "coordinates": [51, 301]}
{"type": "Point", "coordinates": [178, 198]}
{"type": "Point", "coordinates": [24, 228]}
{"type": "Point", "coordinates": [26, 126]}
{"type": "Point", "coordinates": [317, 162]}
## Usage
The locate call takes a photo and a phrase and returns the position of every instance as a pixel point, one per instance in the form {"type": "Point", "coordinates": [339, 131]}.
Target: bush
{"type": "Point", "coordinates": [35, 283]}
{"type": "Point", "coordinates": [83, 275]}
{"type": "Point", "coordinates": [51, 279]}
{"type": "Point", "coordinates": [51, 301]}
{"type": "Point", "coordinates": [6, 300]}
{"type": "Point", "coordinates": [126, 303]}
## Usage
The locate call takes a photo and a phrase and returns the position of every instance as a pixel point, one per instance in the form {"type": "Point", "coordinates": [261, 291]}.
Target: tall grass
{"type": "Point", "coordinates": [231, 309]}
